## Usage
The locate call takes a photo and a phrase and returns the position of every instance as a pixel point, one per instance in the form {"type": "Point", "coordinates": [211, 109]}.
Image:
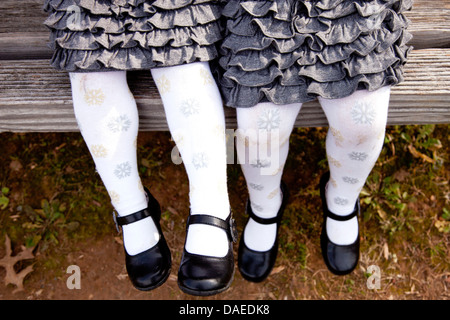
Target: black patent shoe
{"type": "Point", "coordinates": [205, 275]}
{"type": "Point", "coordinates": [254, 265]}
{"type": "Point", "coordinates": [151, 268]}
{"type": "Point", "coordinates": [340, 259]}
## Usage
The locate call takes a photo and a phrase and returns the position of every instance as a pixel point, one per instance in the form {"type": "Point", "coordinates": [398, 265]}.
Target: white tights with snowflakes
{"type": "Point", "coordinates": [108, 119]}
{"type": "Point", "coordinates": [354, 141]}
{"type": "Point", "coordinates": [195, 115]}
{"type": "Point", "coordinates": [357, 126]}
{"type": "Point", "coordinates": [262, 145]}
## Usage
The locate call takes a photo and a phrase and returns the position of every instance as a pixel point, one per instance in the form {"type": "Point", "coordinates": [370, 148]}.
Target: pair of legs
{"type": "Point", "coordinates": [354, 141]}
{"type": "Point", "coordinates": [108, 119]}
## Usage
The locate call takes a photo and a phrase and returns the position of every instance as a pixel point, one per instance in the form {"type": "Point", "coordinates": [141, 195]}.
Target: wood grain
{"type": "Point", "coordinates": [34, 97]}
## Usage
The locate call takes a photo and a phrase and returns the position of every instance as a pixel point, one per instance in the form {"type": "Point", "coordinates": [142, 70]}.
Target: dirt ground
{"type": "Point", "coordinates": [406, 272]}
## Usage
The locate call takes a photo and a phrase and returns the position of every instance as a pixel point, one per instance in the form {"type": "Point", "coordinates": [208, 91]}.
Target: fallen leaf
{"type": "Point", "coordinates": [173, 278]}
{"type": "Point", "coordinates": [118, 240]}
{"type": "Point", "coordinates": [8, 262]}
{"type": "Point", "coordinates": [173, 211]}
{"type": "Point", "coordinates": [122, 276]}
{"type": "Point", "coordinates": [418, 154]}
{"type": "Point", "coordinates": [382, 214]}
{"type": "Point", "coordinates": [277, 270]}
{"type": "Point", "coordinates": [442, 225]}
{"type": "Point", "coordinates": [386, 251]}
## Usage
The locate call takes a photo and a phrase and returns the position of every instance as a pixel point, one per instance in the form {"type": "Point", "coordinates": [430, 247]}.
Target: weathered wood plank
{"type": "Point", "coordinates": [23, 35]}
{"type": "Point", "coordinates": [36, 98]}
{"type": "Point", "coordinates": [24, 45]}
{"type": "Point", "coordinates": [430, 24]}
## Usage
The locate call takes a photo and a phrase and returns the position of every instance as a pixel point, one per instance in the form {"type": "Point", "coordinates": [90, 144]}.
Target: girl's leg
{"type": "Point", "coordinates": [355, 138]}
{"type": "Point", "coordinates": [108, 120]}
{"type": "Point", "coordinates": [194, 112]}
{"type": "Point", "coordinates": [262, 146]}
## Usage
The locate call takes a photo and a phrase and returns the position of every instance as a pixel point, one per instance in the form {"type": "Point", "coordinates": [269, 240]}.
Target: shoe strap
{"type": "Point", "coordinates": [336, 217]}
{"type": "Point", "coordinates": [124, 220]}
{"type": "Point", "coordinates": [153, 210]}
{"type": "Point", "coordinates": [228, 225]}
{"type": "Point", "coordinates": [260, 220]}
{"type": "Point", "coordinates": [277, 218]}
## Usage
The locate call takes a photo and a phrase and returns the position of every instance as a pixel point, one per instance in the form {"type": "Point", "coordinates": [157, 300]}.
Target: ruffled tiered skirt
{"type": "Point", "coordinates": [290, 51]}
{"type": "Point", "coordinates": [102, 35]}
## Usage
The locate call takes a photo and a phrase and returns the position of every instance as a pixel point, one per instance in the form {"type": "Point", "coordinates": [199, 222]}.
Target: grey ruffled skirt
{"type": "Point", "coordinates": [292, 51]}
{"type": "Point", "coordinates": [104, 35]}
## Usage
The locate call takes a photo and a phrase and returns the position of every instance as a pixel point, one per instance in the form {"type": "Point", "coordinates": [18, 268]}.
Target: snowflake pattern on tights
{"type": "Point", "coordinates": [123, 170]}
{"type": "Point", "coordinates": [258, 164]}
{"type": "Point", "coordinates": [119, 124]}
{"type": "Point", "coordinates": [115, 197]}
{"type": "Point", "coordinates": [163, 85]}
{"type": "Point", "coordinates": [269, 119]}
{"type": "Point", "coordinates": [94, 97]}
{"type": "Point", "coordinates": [334, 161]}
{"type": "Point", "coordinates": [189, 107]}
{"type": "Point", "coordinates": [255, 186]}
{"type": "Point", "coordinates": [340, 201]}
{"type": "Point", "coordinates": [273, 193]}
{"type": "Point", "coordinates": [257, 207]}
{"type": "Point", "coordinates": [206, 76]}
{"type": "Point", "coordinates": [350, 180]}
{"type": "Point", "coordinates": [358, 156]}
{"type": "Point", "coordinates": [99, 151]}
{"type": "Point", "coordinates": [200, 160]}
{"type": "Point", "coordinates": [338, 138]}
{"type": "Point", "coordinates": [363, 113]}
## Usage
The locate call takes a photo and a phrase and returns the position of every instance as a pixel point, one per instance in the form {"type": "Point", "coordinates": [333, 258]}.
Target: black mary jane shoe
{"type": "Point", "coordinates": [151, 268]}
{"type": "Point", "coordinates": [205, 275]}
{"type": "Point", "coordinates": [340, 259]}
{"type": "Point", "coordinates": [254, 265]}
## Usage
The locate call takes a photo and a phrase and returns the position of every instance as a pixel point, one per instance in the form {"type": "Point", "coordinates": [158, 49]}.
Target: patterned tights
{"type": "Point", "coordinates": [354, 141]}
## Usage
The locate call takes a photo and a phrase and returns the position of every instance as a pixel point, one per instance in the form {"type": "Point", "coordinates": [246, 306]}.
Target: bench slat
{"type": "Point", "coordinates": [36, 98]}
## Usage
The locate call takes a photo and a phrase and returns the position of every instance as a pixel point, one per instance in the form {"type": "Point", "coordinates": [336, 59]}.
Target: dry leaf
{"type": "Point", "coordinates": [277, 270]}
{"type": "Point", "coordinates": [386, 251]}
{"type": "Point", "coordinates": [382, 214]}
{"type": "Point", "coordinates": [122, 276]}
{"type": "Point", "coordinates": [418, 154]}
{"type": "Point", "coordinates": [173, 211]}
{"type": "Point", "coordinates": [442, 225]}
{"type": "Point", "coordinates": [119, 240]}
{"type": "Point", "coordinates": [8, 262]}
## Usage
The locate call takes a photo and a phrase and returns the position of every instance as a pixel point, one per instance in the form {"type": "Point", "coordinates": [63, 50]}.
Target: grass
{"type": "Point", "coordinates": [51, 197]}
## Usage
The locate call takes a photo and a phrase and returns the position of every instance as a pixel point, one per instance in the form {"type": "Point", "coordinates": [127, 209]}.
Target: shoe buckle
{"type": "Point", "coordinates": [233, 230]}
{"type": "Point", "coordinates": [115, 221]}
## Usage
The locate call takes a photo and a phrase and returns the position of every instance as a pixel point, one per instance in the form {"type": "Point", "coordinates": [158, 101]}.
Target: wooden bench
{"type": "Point", "coordinates": [36, 98]}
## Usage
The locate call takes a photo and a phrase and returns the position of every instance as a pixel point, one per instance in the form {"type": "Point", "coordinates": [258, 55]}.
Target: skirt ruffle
{"type": "Point", "coordinates": [292, 51]}
{"type": "Point", "coordinates": [99, 35]}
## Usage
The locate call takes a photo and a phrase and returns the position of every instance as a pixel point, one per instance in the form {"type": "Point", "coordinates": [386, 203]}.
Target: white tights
{"type": "Point", "coordinates": [195, 115]}
{"type": "Point", "coordinates": [354, 141]}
